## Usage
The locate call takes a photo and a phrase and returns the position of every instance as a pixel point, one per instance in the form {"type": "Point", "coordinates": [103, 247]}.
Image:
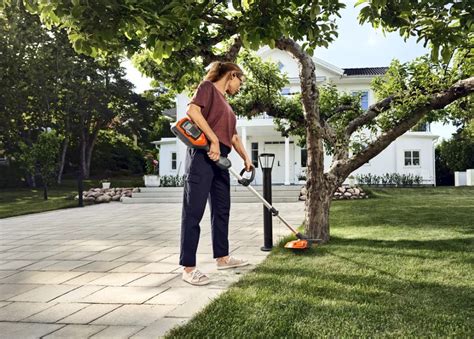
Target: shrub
{"type": "Point", "coordinates": [394, 179]}
{"type": "Point", "coordinates": [172, 181]}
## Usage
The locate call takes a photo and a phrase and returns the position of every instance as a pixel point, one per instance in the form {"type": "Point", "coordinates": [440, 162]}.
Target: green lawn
{"type": "Point", "coordinates": [400, 264]}
{"type": "Point", "coordinates": [19, 201]}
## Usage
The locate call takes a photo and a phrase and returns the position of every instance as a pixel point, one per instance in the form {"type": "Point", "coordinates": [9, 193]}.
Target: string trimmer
{"type": "Point", "coordinates": [190, 134]}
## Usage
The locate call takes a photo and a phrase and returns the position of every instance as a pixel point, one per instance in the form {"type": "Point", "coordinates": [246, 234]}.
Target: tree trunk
{"type": "Point", "coordinates": [318, 203]}
{"type": "Point", "coordinates": [63, 158]}
{"type": "Point", "coordinates": [319, 191]}
{"type": "Point", "coordinates": [30, 180]}
{"type": "Point", "coordinates": [82, 153]}
{"type": "Point", "coordinates": [45, 191]}
{"type": "Point", "coordinates": [80, 176]}
{"type": "Point", "coordinates": [88, 152]}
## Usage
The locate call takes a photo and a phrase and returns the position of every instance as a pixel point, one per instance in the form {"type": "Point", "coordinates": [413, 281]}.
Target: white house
{"type": "Point", "coordinates": [412, 152]}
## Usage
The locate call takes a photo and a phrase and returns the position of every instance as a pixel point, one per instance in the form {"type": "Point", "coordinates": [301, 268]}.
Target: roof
{"type": "Point", "coordinates": [370, 71]}
{"type": "Point", "coordinates": [171, 112]}
{"type": "Point", "coordinates": [164, 141]}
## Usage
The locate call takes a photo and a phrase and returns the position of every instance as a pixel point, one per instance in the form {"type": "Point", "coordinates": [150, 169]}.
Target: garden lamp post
{"type": "Point", "coordinates": [266, 163]}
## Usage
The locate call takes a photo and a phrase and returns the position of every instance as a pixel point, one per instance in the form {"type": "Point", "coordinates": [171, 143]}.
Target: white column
{"type": "Point", "coordinates": [287, 161]}
{"type": "Point", "coordinates": [181, 109]}
{"type": "Point", "coordinates": [244, 137]}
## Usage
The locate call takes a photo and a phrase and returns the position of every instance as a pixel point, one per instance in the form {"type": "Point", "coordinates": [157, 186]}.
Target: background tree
{"type": "Point", "coordinates": [173, 41]}
{"type": "Point", "coordinates": [26, 87]}
{"type": "Point", "coordinates": [46, 154]}
{"type": "Point", "coordinates": [455, 154]}
{"type": "Point", "coordinates": [42, 156]}
{"type": "Point", "coordinates": [46, 84]}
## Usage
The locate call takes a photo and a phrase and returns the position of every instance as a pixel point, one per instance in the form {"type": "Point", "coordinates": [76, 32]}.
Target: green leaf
{"type": "Point", "coordinates": [236, 5]}
{"type": "Point", "coordinates": [359, 2]}
{"type": "Point", "coordinates": [435, 53]}
{"type": "Point", "coordinates": [77, 11]}
{"type": "Point", "coordinates": [446, 54]}
{"type": "Point", "coordinates": [315, 10]}
{"type": "Point", "coordinates": [78, 45]}
{"type": "Point", "coordinates": [271, 43]}
{"type": "Point", "coordinates": [158, 50]}
{"type": "Point", "coordinates": [140, 21]}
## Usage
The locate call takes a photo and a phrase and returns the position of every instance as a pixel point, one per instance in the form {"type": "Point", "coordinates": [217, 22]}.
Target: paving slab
{"type": "Point", "coordinates": [112, 270]}
{"type": "Point", "coordinates": [135, 315]}
{"type": "Point", "coordinates": [10, 330]}
{"type": "Point", "coordinates": [55, 313]}
{"type": "Point", "coordinates": [89, 313]}
{"type": "Point", "coordinates": [75, 331]}
{"type": "Point", "coordinates": [117, 332]}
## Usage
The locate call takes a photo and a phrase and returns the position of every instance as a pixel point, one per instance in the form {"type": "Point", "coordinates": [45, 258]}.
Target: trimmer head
{"type": "Point", "coordinates": [297, 245]}
{"type": "Point", "coordinates": [302, 243]}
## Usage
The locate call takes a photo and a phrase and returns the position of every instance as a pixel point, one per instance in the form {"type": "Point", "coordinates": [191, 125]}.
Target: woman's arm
{"type": "Point", "coordinates": [194, 112]}
{"type": "Point", "coordinates": [239, 147]}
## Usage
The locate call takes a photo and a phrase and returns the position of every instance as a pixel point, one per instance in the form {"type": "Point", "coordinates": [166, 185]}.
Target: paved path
{"type": "Point", "coordinates": [111, 270]}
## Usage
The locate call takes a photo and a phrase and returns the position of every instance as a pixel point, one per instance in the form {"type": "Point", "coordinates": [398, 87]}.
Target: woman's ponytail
{"type": "Point", "coordinates": [218, 69]}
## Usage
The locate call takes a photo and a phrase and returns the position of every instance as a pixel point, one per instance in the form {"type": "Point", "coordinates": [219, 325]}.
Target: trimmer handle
{"type": "Point", "coordinates": [247, 181]}
{"type": "Point", "coordinates": [223, 163]}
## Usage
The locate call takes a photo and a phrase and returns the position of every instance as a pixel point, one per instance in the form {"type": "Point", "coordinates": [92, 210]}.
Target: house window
{"type": "Point", "coordinates": [173, 160]}
{"type": "Point", "coordinates": [304, 157]}
{"type": "Point", "coordinates": [422, 127]}
{"type": "Point", "coordinates": [285, 91]}
{"type": "Point", "coordinates": [364, 99]}
{"type": "Point", "coordinates": [412, 158]}
{"type": "Point", "coordinates": [280, 65]}
{"type": "Point", "coordinates": [254, 154]}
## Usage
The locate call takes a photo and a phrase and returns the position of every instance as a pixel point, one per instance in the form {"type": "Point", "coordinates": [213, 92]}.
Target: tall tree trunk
{"type": "Point", "coordinates": [319, 191]}
{"type": "Point", "coordinates": [318, 204]}
{"type": "Point", "coordinates": [64, 150]}
{"type": "Point", "coordinates": [89, 150]}
{"type": "Point", "coordinates": [80, 177]}
{"type": "Point", "coordinates": [82, 150]}
{"type": "Point", "coordinates": [319, 187]}
{"type": "Point", "coordinates": [45, 190]}
{"type": "Point", "coordinates": [30, 180]}
{"type": "Point", "coordinates": [63, 158]}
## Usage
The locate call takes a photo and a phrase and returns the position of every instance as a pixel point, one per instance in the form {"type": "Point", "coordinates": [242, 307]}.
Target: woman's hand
{"type": "Point", "coordinates": [214, 151]}
{"type": "Point", "coordinates": [248, 164]}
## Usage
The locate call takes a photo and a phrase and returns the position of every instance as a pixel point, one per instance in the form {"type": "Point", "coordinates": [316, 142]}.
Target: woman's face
{"type": "Point", "coordinates": [236, 80]}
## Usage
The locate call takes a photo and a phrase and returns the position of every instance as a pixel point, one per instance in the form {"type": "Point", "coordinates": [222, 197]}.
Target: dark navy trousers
{"type": "Point", "coordinates": [204, 181]}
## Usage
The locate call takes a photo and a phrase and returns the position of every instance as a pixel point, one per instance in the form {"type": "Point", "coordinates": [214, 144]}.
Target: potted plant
{"type": "Point", "coordinates": [151, 177]}
{"type": "Point", "coordinates": [351, 180]}
{"type": "Point", "coordinates": [105, 183]}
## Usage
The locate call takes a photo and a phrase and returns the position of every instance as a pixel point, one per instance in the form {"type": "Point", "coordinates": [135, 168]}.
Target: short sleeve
{"type": "Point", "coordinates": [202, 97]}
{"type": "Point", "coordinates": [235, 129]}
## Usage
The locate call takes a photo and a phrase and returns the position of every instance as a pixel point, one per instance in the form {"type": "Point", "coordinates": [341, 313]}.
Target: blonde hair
{"type": "Point", "coordinates": [219, 69]}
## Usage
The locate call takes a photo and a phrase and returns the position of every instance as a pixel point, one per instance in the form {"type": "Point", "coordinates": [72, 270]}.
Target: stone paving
{"type": "Point", "coordinates": [111, 270]}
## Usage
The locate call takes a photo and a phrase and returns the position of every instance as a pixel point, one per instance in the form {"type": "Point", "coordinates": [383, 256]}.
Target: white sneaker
{"type": "Point", "coordinates": [231, 262]}
{"type": "Point", "coordinates": [196, 277]}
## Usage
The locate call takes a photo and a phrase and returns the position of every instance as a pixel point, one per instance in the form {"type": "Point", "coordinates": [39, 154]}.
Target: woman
{"type": "Point", "coordinates": [211, 112]}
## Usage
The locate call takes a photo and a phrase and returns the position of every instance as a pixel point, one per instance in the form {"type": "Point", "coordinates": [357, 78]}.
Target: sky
{"type": "Point", "coordinates": [356, 46]}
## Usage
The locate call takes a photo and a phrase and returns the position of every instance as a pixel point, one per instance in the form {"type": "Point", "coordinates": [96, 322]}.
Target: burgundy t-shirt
{"type": "Point", "coordinates": [217, 111]}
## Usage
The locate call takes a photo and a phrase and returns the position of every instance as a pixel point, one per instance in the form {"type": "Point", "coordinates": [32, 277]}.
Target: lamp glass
{"type": "Point", "coordinates": [266, 160]}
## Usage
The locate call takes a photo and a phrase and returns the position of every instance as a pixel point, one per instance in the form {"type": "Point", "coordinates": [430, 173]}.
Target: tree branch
{"type": "Point", "coordinates": [234, 50]}
{"type": "Point", "coordinates": [309, 90]}
{"type": "Point", "coordinates": [372, 112]}
{"type": "Point", "coordinates": [438, 101]}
